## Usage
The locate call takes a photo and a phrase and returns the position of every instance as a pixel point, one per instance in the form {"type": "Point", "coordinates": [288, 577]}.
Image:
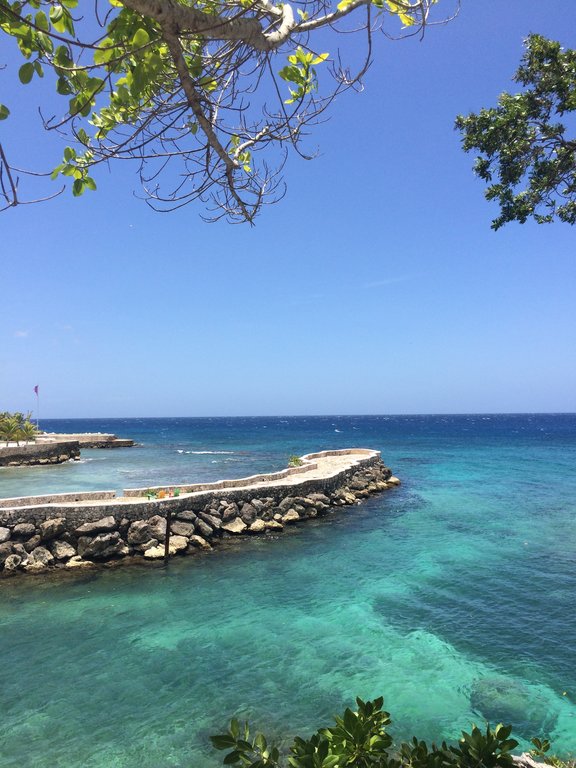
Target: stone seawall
{"type": "Point", "coordinates": [35, 453]}
{"type": "Point", "coordinates": [75, 530]}
{"type": "Point", "coordinates": [88, 439]}
{"type": "Point", "coordinates": [57, 448]}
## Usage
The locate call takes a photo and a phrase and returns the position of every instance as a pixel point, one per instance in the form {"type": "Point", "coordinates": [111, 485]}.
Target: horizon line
{"type": "Point", "coordinates": [319, 415]}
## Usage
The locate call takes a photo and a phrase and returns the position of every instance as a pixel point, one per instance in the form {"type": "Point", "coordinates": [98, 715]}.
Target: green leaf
{"type": "Point", "coordinates": [223, 741]}
{"type": "Point", "coordinates": [260, 742]}
{"type": "Point", "coordinates": [4, 112]}
{"type": "Point", "coordinates": [104, 55]}
{"type": "Point", "coordinates": [56, 13]}
{"type": "Point", "coordinates": [63, 86]}
{"type": "Point", "coordinates": [41, 21]}
{"type": "Point", "coordinates": [141, 38]}
{"type": "Point", "coordinates": [77, 187]}
{"type": "Point", "coordinates": [26, 72]}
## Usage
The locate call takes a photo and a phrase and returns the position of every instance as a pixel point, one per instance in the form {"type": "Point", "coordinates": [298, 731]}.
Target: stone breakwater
{"type": "Point", "coordinates": [52, 448]}
{"type": "Point", "coordinates": [85, 529]}
{"type": "Point", "coordinates": [87, 439]}
{"type": "Point", "coordinates": [39, 453]}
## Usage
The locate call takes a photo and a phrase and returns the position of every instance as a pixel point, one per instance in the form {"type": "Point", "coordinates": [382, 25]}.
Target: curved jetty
{"type": "Point", "coordinates": [72, 530]}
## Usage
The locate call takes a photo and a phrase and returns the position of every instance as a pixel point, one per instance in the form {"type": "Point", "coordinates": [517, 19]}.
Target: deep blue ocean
{"type": "Point", "coordinates": [453, 596]}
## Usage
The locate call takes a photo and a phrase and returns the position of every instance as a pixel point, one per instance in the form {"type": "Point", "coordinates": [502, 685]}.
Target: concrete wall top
{"type": "Point", "coordinates": [309, 464]}
{"type": "Point", "coordinates": [83, 507]}
{"type": "Point", "coordinates": [56, 498]}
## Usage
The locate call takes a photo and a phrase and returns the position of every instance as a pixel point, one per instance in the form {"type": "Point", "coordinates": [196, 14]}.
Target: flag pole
{"type": "Point", "coordinates": [37, 408]}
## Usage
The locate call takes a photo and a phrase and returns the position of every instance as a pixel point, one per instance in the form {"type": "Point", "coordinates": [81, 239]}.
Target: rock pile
{"type": "Point", "coordinates": [53, 543]}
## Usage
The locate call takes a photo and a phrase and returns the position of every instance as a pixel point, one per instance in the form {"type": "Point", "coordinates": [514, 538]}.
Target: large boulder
{"type": "Point", "coordinates": [229, 512]}
{"type": "Point", "coordinates": [38, 560]}
{"type": "Point", "coordinates": [203, 529]}
{"type": "Point", "coordinates": [318, 500]}
{"type": "Point", "coordinates": [197, 542]}
{"type": "Point", "coordinates": [62, 550]}
{"type": "Point", "coordinates": [286, 504]}
{"type": "Point", "coordinates": [5, 551]}
{"type": "Point", "coordinates": [213, 521]}
{"type": "Point", "coordinates": [155, 553]}
{"type": "Point", "coordinates": [32, 543]}
{"type": "Point", "coordinates": [24, 530]}
{"type": "Point", "coordinates": [102, 547]}
{"type": "Point", "coordinates": [4, 535]}
{"type": "Point", "coordinates": [139, 533]}
{"type": "Point", "coordinates": [258, 526]}
{"type": "Point", "coordinates": [97, 526]}
{"type": "Point", "coordinates": [19, 549]}
{"type": "Point", "coordinates": [52, 528]}
{"type": "Point", "coordinates": [177, 544]}
{"type": "Point", "coordinates": [235, 526]}
{"type": "Point", "coordinates": [291, 516]}
{"type": "Point", "coordinates": [248, 513]}
{"type": "Point", "coordinates": [182, 529]}
{"type": "Point", "coordinates": [157, 527]}
{"type": "Point", "coordinates": [12, 563]}
{"type": "Point", "coordinates": [78, 562]}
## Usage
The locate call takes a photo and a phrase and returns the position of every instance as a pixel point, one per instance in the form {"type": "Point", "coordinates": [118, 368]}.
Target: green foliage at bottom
{"type": "Point", "coordinates": [359, 739]}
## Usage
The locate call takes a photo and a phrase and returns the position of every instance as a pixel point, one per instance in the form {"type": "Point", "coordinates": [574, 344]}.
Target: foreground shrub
{"type": "Point", "coordinates": [359, 739]}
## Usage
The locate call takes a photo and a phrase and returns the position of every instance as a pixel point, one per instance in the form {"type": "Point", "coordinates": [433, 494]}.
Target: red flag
{"type": "Point", "coordinates": [36, 389]}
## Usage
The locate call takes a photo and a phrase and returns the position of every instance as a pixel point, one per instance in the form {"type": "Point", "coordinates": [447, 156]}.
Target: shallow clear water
{"type": "Point", "coordinates": [453, 596]}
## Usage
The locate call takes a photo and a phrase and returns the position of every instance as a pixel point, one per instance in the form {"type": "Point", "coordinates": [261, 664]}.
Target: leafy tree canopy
{"type": "Point", "coordinates": [207, 96]}
{"type": "Point", "coordinates": [527, 158]}
{"type": "Point", "coordinates": [16, 427]}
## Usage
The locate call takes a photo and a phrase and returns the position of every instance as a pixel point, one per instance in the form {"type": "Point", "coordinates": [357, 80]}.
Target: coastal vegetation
{"type": "Point", "coordinates": [360, 739]}
{"type": "Point", "coordinates": [15, 427]}
{"type": "Point", "coordinates": [526, 157]}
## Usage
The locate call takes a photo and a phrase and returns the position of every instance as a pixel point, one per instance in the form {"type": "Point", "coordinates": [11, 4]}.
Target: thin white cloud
{"type": "Point", "coordinates": [389, 281]}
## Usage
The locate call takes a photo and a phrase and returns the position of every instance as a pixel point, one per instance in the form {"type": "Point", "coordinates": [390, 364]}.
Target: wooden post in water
{"type": "Point", "coordinates": [167, 537]}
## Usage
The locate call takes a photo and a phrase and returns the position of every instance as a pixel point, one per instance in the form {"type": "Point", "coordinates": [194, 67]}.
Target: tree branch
{"type": "Point", "coordinates": [189, 20]}
{"type": "Point", "coordinates": [195, 103]}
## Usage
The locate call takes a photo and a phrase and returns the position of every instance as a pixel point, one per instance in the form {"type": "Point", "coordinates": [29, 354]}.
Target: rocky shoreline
{"type": "Point", "coordinates": [80, 532]}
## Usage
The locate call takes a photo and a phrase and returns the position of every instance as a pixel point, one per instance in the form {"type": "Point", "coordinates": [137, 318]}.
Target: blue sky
{"type": "Point", "coordinates": [375, 286]}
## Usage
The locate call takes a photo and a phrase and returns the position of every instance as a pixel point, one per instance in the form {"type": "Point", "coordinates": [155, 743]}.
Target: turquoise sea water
{"type": "Point", "coordinates": [454, 596]}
